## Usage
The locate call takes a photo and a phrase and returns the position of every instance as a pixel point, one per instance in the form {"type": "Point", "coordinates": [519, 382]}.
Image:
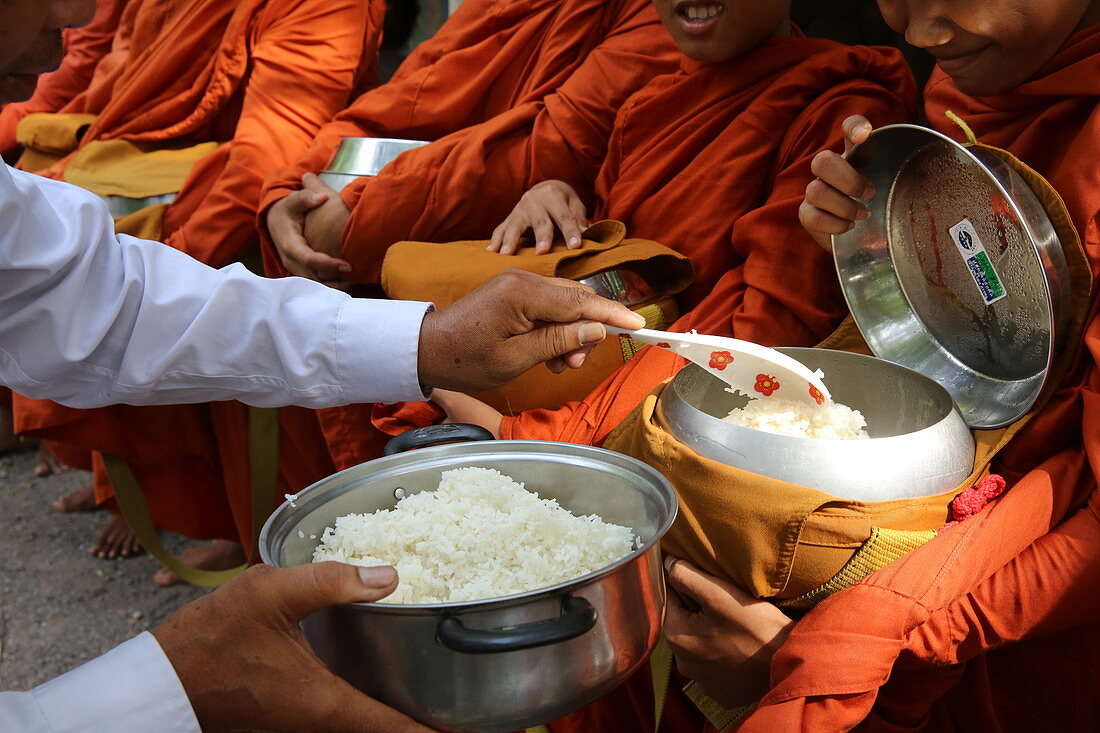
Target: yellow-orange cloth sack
{"type": "Point", "coordinates": [47, 137]}
{"type": "Point", "coordinates": [444, 272]}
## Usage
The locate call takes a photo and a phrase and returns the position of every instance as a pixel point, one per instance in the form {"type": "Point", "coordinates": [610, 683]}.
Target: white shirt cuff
{"type": "Point", "coordinates": [131, 688]}
{"type": "Point", "coordinates": [377, 350]}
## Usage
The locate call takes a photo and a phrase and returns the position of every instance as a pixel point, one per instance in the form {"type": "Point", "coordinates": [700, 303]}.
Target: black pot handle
{"type": "Point", "coordinates": [458, 432]}
{"type": "Point", "coordinates": [577, 617]}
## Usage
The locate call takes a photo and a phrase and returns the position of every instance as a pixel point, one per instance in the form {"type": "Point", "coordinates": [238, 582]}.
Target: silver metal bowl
{"type": "Point", "coordinates": [958, 273]}
{"type": "Point", "coordinates": [502, 664]}
{"type": "Point", "coordinates": [364, 156]}
{"type": "Point", "coordinates": [919, 443]}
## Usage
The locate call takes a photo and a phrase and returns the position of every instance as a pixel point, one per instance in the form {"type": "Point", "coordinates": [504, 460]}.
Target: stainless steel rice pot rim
{"type": "Point", "coordinates": [537, 449]}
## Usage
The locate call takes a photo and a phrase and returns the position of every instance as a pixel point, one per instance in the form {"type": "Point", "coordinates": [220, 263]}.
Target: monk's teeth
{"type": "Point", "coordinates": [700, 12]}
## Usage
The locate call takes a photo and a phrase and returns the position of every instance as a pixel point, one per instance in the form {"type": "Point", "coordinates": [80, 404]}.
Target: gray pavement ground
{"type": "Point", "coordinates": [59, 606]}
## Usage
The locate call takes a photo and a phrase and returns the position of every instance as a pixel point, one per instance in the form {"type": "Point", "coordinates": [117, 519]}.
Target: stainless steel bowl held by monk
{"type": "Point", "coordinates": [967, 291]}
{"type": "Point", "coordinates": [364, 156]}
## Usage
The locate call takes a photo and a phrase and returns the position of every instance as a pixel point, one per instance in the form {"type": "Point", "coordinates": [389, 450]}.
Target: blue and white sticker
{"type": "Point", "coordinates": [969, 244]}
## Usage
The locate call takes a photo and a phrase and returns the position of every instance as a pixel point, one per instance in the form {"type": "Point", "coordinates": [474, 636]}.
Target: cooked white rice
{"type": "Point", "coordinates": [479, 535]}
{"type": "Point", "coordinates": [797, 420]}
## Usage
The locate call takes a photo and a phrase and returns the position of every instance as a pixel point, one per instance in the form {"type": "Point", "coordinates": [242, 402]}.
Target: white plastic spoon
{"type": "Point", "coordinates": [755, 370]}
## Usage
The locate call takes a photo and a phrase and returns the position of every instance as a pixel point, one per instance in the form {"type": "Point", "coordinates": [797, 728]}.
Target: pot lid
{"type": "Point", "coordinates": [958, 272]}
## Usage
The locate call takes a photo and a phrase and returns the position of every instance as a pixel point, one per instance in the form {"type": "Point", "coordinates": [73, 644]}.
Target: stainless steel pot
{"type": "Point", "coordinates": [364, 156]}
{"type": "Point", "coordinates": [507, 663]}
{"type": "Point", "coordinates": [919, 443]}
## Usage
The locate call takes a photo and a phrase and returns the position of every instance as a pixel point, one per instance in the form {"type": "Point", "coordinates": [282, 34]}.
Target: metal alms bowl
{"type": "Point", "coordinates": [502, 664]}
{"type": "Point", "coordinates": [919, 443]}
{"type": "Point", "coordinates": [364, 156]}
{"type": "Point", "coordinates": [958, 273]}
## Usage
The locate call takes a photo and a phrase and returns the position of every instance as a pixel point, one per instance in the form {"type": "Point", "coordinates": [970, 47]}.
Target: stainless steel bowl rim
{"type": "Point", "coordinates": [1025, 221]}
{"type": "Point", "coordinates": [535, 447]}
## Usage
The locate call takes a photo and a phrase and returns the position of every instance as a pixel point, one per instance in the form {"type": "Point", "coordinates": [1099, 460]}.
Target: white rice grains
{"type": "Point", "coordinates": [797, 420]}
{"type": "Point", "coordinates": [479, 535]}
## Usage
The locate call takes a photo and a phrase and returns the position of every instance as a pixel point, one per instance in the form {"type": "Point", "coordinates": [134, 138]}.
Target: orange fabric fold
{"type": "Point", "coordinates": [991, 626]}
{"type": "Point", "coordinates": [263, 75]}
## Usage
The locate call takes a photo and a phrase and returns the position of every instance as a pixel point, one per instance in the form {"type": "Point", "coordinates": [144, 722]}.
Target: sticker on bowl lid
{"type": "Point", "coordinates": [966, 239]}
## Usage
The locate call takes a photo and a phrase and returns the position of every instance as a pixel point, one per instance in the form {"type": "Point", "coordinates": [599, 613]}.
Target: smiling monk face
{"type": "Point", "coordinates": [30, 40]}
{"type": "Point", "coordinates": [719, 30]}
{"type": "Point", "coordinates": [989, 46]}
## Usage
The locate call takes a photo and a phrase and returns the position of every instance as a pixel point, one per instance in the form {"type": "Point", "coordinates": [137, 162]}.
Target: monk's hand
{"type": "Point", "coordinates": [831, 205]}
{"type": "Point", "coordinates": [245, 664]}
{"type": "Point", "coordinates": [286, 224]}
{"type": "Point", "coordinates": [512, 323]}
{"type": "Point", "coordinates": [722, 637]}
{"type": "Point", "coordinates": [324, 230]}
{"type": "Point", "coordinates": [466, 409]}
{"type": "Point", "coordinates": [548, 206]}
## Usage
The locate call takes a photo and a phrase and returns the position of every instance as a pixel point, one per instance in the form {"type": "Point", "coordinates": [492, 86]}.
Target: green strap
{"type": "Point", "coordinates": [660, 669]}
{"type": "Point", "coordinates": [263, 454]}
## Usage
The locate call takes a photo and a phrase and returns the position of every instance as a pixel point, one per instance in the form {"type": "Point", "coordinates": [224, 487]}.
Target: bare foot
{"type": "Point", "coordinates": [47, 465]}
{"type": "Point", "coordinates": [218, 555]}
{"type": "Point", "coordinates": [116, 540]}
{"type": "Point", "coordinates": [77, 500]}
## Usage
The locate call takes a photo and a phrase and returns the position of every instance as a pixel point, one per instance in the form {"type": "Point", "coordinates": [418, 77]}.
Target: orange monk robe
{"type": "Point", "coordinates": [84, 48]}
{"type": "Point", "coordinates": [714, 162]}
{"type": "Point", "coordinates": [262, 75]}
{"type": "Point", "coordinates": [265, 75]}
{"type": "Point", "coordinates": [993, 625]}
{"type": "Point", "coordinates": [513, 93]}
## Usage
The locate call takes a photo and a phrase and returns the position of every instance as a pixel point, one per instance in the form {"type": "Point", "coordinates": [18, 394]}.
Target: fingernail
{"type": "Point", "coordinates": [574, 241]}
{"type": "Point", "coordinates": [317, 197]}
{"type": "Point", "coordinates": [580, 361]}
{"type": "Point", "coordinates": [591, 333]}
{"type": "Point", "coordinates": [670, 562]}
{"type": "Point", "coordinates": [862, 214]}
{"type": "Point", "coordinates": [345, 268]}
{"type": "Point", "coordinates": [869, 192]}
{"type": "Point", "coordinates": [379, 576]}
{"type": "Point", "coordinates": [850, 227]}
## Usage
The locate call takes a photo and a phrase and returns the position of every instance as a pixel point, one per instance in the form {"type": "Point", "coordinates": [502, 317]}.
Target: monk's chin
{"type": "Point", "coordinates": [17, 87]}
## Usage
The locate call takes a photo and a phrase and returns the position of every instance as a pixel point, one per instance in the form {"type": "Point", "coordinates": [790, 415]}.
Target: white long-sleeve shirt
{"type": "Point", "coordinates": [88, 318]}
{"type": "Point", "coordinates": [130, 689]}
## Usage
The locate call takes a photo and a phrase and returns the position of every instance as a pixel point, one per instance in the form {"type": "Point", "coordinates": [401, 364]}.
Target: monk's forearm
{"type": "Point", "coordinates": [1050, 587]}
